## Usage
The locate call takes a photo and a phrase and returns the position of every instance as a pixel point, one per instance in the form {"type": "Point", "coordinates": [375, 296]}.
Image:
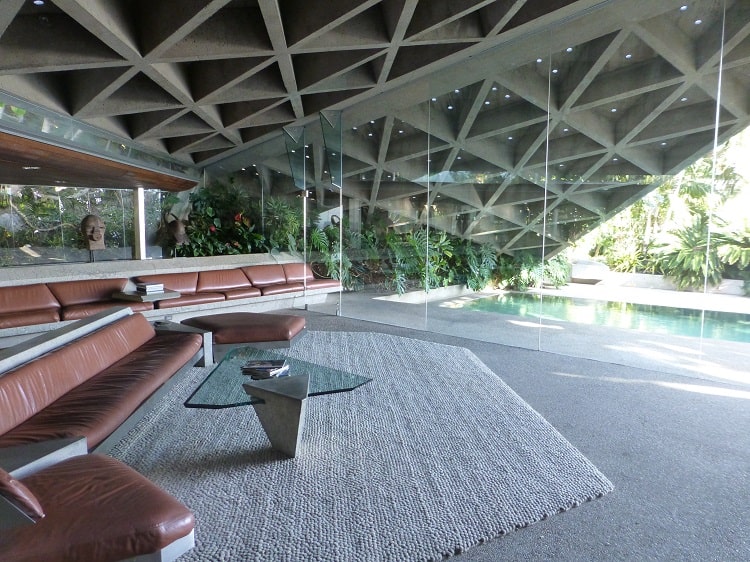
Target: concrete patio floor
{"type": "Point", "coordinates": [670, 431]}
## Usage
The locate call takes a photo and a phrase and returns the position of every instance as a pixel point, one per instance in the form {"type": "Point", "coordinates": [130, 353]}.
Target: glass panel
{"type": "Point", "coordinates": [45, 225]}
{"type": "Point", "coordinates": [385, 205]}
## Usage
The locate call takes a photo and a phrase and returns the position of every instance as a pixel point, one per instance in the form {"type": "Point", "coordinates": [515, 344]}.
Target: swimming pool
{"type": "Point", "coordinates": [650, 318]}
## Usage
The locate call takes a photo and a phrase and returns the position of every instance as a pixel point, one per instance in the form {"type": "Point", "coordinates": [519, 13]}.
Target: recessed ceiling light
{"type": "Point", "coordinates": [510, 138]}
{"type": "Point", "coordinates": [507, 96]}
{"type": "Point", "coordinates": [569, 50]}
{"type": "Point", "coordinates": [698, 22]}
{"type": "Point", "coordinates": [450, 107]}
{"type": "Point", "coordinates": [664, 144]}
{"type": "Point", "coordinates": [554, 71]}
{"type": "Point", "coordinates": [629, 56]}
{"type": "Point", "coordinates": [487, 102]}
{"type": "Point", "coordinates": [613, 110]}
{"type": "Point", "coordinates": [683, 8]}
{"type": "Point", "coordinates": [683, 99]}
{"type": "Point", "coordinates": [31, 167]}
{"type": "Point", "coordinates": [538, 60]}
{"type": "Point", "coordinates": [39, 2]}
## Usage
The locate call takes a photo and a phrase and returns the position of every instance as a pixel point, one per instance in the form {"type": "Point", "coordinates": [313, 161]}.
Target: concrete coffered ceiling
{"type": "Point", "coordinates": [626, 89]}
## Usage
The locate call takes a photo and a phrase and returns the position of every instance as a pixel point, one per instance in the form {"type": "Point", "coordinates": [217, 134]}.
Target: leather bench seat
{"type": "Point", "coordinates": [98, 406]}
{"type": "Point", "coordinates": [248, 327]}
{"type": "Point", "coordinates": [95, 509]}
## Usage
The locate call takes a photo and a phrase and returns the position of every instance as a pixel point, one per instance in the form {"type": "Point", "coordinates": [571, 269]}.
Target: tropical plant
{"type": "Point", "coordinates": [481, 261]}
{"type": "Point", "coordinates": [690, 258]}
{"type": "Point", "coordinates": [527, 270]}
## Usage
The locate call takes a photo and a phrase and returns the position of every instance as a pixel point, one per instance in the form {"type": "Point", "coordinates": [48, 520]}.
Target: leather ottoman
{"type": "Point", "coordinates": [249, 327]}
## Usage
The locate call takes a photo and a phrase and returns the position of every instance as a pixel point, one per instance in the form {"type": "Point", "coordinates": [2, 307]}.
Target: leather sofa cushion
{"type": "Point", "coordinates": [247, 293]}
{"type": "Point", "coordinates": [282, 288]}
{"type": "Point", "coordinates": [97, 407]}
{"type": "Point", "coordinates": [186, 282]}
{"type": "Point", "coordinates": [302, 272]}
{"type": "Point", "coordinates": [28, 389]}
{"type": "Point", "coordinates": [24, 298]}
{"type": "Point", "coordinates": [297, 272]}
{"type": "Point", "coordinates": [20, 496]}
{"type": "Point", "coordinates": [217, 280]}
{"type": "Point", "coordinates": [191, 298]}
{"type": "Point", "coordinates": [29, 317]}
{"type": "Point", "coordinates": [264, 275]}
{"type": "Point", "coordinates": [323, 283]}
{"type": "Point", "coordinates": [97, 508]}
{"type": "Point", "coordinates": [70, 293]}
{"type": "Point", "coordinates": [78, 311]}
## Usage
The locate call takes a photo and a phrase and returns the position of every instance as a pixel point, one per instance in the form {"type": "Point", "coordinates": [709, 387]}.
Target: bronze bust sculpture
{"type": "Point", "coordinates": [92, 229]}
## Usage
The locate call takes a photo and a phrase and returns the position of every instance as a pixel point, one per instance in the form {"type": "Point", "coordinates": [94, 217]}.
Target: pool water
{"type": "Point", "coordinates": [650, 318]}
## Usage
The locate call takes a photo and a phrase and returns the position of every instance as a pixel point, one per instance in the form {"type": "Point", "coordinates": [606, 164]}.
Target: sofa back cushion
{"type": "Point", "coordinates": [221, 279]}
{"type": "Point", "coordinates": [297, 272]}
{"type": "Point", "coordinates": [28, 389]}
{"type": "Point", "coordinates": [264, 275]}
{"type": "Point", "coordinates": [83, 291]}
{"type": "Point", "coordinates": [181, 282]}
{"type": "Point", "coordinates": [23, 298]}
{"type": "Point", "coordinates": [23, 305]}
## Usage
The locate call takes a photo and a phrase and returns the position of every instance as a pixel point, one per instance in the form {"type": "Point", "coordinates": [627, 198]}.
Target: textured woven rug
{"type": "Point", "coordinates": [432, 457]}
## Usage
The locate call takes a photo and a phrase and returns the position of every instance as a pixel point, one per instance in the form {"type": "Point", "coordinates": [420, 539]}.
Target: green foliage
{"type": "Point", "coordinates": [222, 222]}
{"type": "Point", "coordinates": [689, 259]}
{"type": "Point", "coordinates": [527, 270]}
{"type": "Point", "coordinates": [667, 231]}
{"type": "Point", "coordinates": [481, 262]}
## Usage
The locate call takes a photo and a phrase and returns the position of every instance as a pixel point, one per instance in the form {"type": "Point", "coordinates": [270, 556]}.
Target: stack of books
{"type": "Point", "coordinates": [260, 369]}
{"type": "Point", "coordinates": [149, 288]}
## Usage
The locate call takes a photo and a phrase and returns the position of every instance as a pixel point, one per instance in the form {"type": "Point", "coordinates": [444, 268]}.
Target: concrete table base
{"type": "Point", "coordinates": [282, 412]}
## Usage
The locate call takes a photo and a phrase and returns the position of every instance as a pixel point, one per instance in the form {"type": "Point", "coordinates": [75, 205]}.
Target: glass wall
{"type": "Point", "coordinates": [585, 199]}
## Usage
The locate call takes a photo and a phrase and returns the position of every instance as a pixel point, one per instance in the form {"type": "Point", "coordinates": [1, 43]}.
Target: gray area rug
{"type": "Point", "coordinates": [432, 457]}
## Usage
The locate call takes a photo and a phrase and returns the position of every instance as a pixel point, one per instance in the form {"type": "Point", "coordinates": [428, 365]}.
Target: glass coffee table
{"type": "Point", "coordinates": [279, 402]}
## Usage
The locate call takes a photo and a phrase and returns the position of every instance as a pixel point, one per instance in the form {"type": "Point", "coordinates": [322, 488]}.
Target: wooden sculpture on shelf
{"type": "Point", "coordinates": [92, 229]}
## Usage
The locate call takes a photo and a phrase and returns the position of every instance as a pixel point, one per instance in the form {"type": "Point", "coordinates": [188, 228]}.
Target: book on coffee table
{"type": "Point", "coordinates": [265, 368]}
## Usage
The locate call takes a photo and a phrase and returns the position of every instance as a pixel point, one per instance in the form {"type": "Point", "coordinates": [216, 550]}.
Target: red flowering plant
{"type": "Point", "coordinates": [219, 224]}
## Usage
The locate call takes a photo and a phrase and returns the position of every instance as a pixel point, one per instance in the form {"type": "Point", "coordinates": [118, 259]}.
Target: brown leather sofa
{"type": "Point", "coordinates": [91, 386]}
{"type": "Point", "coordinates": [41, 303]}
{"type": "Point", "coordinates": [244, 282]}
{"type": "Point", "coordinates": [92, 508]}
